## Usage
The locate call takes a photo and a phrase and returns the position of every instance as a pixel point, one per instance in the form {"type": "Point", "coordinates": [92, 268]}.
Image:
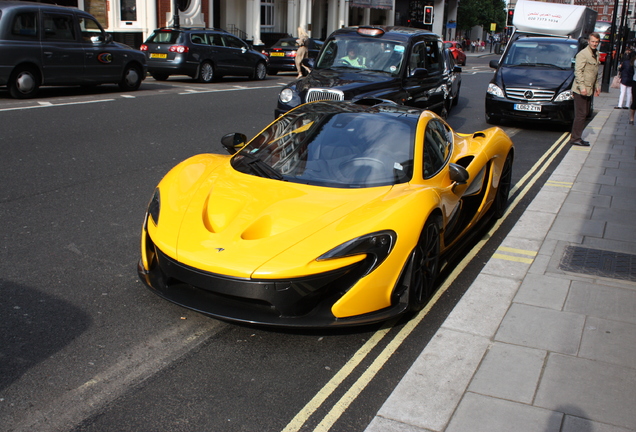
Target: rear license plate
{"type": "Point", "coordinates": [158, 55]}
{"type": "Point", "coordinates": [528, 107]}
{"type": "Point", "coordinates": [278, 54]}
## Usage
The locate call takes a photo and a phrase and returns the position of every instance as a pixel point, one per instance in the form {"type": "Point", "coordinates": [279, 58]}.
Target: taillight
{"type": "Point", "coordinates": [143, 47]}
{"type": "Point", "coordinates": [291, 54]}
{"type": "Point", "coordinates": [265, 52]}
{"type": "Point", "coordinates": [179, 49]}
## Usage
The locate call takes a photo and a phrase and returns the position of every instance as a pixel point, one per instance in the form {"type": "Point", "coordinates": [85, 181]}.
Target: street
{"type": "Point", "coordinates": [86, 347]}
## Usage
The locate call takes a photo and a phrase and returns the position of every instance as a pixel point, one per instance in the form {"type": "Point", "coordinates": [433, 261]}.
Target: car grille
{"type": "Point", "coordinates": [324, 94]}
{"type": "Point", "coordinates": [530, 95]}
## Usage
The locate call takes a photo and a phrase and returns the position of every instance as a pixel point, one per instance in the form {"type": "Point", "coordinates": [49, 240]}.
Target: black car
{"type": "Point", "coordinates": [533, 81]}
{"type": "Point", "coordinates": [282, 55]}
{"type": "Point", "coordinates": [401, 64]}
{"type": "Point", "coordinates": [203, 54]}
{"type": "Point", "coordinates": [43, 44]}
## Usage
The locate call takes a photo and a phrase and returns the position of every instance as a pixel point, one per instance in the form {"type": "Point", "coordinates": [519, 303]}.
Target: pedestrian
{"type": "Point", "coordinates": [586, 84]}
{"type": "Point", "coordinates": [626, 70]}
{"type": "Point", "coordinates": [302, 51]}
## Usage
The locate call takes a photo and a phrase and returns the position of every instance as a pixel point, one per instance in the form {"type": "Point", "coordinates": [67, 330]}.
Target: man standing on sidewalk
{"type": "Point", "coordinates": [586, 83]}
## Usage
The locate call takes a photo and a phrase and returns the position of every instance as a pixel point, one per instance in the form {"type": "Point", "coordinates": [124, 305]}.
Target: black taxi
{"type": "Point", "coordinates": [401, 64]}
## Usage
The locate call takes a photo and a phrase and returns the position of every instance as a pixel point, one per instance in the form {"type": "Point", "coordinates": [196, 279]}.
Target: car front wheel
{"type": "Point", "coordinates": [260, 72]}
{"type": "Point", "coordinates": [206, 74]}
{"type": "Point", "coordinates": [424, 264]}
{"type": "Point", "coordinates": [24, 83]}
{"type": "Point", "coordinates": [503, 190]}
{"type": "Point", "coordinates": [131, 79]}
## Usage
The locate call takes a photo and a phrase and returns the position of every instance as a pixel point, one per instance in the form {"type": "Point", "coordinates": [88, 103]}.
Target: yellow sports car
{"type": "Point", "coordinates": [336, 214]}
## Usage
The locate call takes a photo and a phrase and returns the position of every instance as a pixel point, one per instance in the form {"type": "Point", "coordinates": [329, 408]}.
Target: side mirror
{"type": "Point", "coordinates": [458, 174]}
{"type": "Point", "coordinates": [233, 142]}
{"type": "Point", "coordinates": [457, 69]}
{"type": "Point", "coordinates": [494, 64]}
{"type": "Point", "coordinates": [419, 73]}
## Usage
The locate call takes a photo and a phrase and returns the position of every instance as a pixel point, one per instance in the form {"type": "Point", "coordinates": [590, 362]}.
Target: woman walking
{"type": "Point", "coordinates": [627, 82]}
{"type": "Point", "coordinates": [302, 51]}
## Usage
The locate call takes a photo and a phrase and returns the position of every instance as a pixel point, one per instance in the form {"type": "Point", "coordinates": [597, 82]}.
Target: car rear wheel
{"type": "Point", "coordinates": [131, 79]}
{"type": "Point", "coordinates": [260, 72]}
{"type": "Point", "coordinates": [206, 73]}
{"type": "Point", "coordinates": [24, 82]}
{"type": "Point", "coordinates": [424, 265]}
{"type": "Point", "coordinates": [503, 190]}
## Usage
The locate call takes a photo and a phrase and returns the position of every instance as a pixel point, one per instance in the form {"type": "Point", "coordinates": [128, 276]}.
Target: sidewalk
{"type": "Point", "coordinates": [545, 338]}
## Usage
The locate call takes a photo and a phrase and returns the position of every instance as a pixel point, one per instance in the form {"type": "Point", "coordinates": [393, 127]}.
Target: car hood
{"type": "Point", "coordinates": [538, 77]}
{"type": "Point", "coordinates": [237, 222]}
{"type": "Point", "coordinates": [352, 83]}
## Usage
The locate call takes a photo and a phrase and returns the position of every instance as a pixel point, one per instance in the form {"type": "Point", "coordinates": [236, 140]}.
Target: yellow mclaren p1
{"type": "Point", "coordinates": [336, 214]}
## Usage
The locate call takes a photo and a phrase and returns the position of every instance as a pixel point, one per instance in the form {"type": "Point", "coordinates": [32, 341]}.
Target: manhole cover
{"type": "Point", "coordinates": [598, 262]}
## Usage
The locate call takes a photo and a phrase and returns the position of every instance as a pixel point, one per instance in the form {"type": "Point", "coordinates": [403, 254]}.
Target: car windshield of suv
{"type": "Point", "coordinates": [326, 145]}
{"type": "Point", "coordinates": [362, 53]}
{"type": "Point", "coordinates": [164, 37]}
{"type": "Point", "coordinates": [546, 54]}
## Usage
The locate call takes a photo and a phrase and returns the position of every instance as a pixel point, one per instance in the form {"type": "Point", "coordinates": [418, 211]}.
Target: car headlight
{"type": "Point", "coordinates": [564, 96]}
{"type": "Point", "coordinates": [286, 95]}
{"type": "Point", "coordinates": [154, 207]}
{"type": "Point", "coordinates": [376, 246]}
{"type": "Point", "coordinates": [494, 90]}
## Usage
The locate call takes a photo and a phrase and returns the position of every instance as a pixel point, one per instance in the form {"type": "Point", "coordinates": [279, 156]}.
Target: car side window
{"type": "Point", "coordinates": [198, 38]}
{"type": "Point", "coordinates": [58, 27]}
{"type": "Point", "coordinates": [437, 147]}
{"type": "Point", "coordinates": [418, 57]}
{"type": "Point", "coordinates": [25, 25]}
{"type": "Point", "coordinates": [233, 42]}
{"type": "Point", "coordinates": [215, 40]}
{"type": "Point", "coordinates": [433, 56]}
{"type": "Point", "coordinates": [91, 31]}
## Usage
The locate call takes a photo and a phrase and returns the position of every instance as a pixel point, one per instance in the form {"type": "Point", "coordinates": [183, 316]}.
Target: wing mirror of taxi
{"type": "Point", "coordinates": [458, 174]}
{"type": "Point", "coordinates": [108, 38]}
{"type": "Point", "coordinates": [494, 64]}
{"type": "Point", "coordinates": [457, 69]}
{"type": "Point", "coordinates": [419, 73]}
{"type": "Point", "coordinates": [233, 142]}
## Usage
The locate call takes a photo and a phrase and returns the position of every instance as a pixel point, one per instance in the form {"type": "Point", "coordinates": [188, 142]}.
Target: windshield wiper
{"type": "Point", "coordinates": [260, 167]}
{"type": "Point", "coordinates": [550, 65]}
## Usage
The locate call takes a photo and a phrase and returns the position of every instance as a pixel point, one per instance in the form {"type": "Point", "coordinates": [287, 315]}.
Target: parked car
{"type": "Point", "coordinates": [282, 55]}
{"type": "Point", "coordinates": [457, 50]}
{"type": "Point", "coordinates": [337, 214]}
{"type": "Point", "coordinates": [42, 45]}
{"type": "Point", "coordinates": [203, 54]}
{"type": "Point", "coordinates": [401, 64]}
{"type": "Point", "coordinates": [454, 77]}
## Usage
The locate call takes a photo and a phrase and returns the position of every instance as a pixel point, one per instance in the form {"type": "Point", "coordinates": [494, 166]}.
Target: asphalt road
{"type": "Point", "coordinates": [85, 347]}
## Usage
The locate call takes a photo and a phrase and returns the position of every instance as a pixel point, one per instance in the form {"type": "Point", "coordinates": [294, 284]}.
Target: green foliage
{"type": "Point", "coordinates": [472, 13]}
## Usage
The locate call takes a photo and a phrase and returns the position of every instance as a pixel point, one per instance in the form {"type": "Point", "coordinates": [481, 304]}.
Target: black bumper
{"type": "Point", "coordinates": [553, 112]}
{"type": "Point", "coordinates": [303, 303]}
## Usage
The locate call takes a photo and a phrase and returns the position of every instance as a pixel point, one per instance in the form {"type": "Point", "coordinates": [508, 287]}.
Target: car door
{"type": "Point", "coordinates": [104, 61]}
{"type": "Point", "coordinates": [62, 51]}
{"type": "Point", "coordinates": [424, 77]}
{"type": "Point", "coordinates": [238, 55]}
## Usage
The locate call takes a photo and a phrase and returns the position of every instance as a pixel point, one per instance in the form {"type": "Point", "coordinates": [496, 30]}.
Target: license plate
{"type": "Point", "coordinates": [528, 107]}
{"type": "Point", "coordinates": [278, 54]}
{"type": "Point", "coordinates": [158, 55]}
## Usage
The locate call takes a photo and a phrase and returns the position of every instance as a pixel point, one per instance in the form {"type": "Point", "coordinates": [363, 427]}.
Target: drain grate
{"type": "Point", "coordinates": [598, 262]}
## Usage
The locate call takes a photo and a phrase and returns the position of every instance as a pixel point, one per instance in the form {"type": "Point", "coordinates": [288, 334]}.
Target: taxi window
{"type": "Point", "coordinates": [91, 32]}
{"type": "Point", "coordinates": [25, 25]}
{"type": "Point", "coordinates": [437, 147]}
{"type": "Point", "coordinates": [59, 27]}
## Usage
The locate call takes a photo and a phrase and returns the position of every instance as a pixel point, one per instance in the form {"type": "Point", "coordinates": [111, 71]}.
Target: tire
{"type": "Point", "coordinates": [424, 266]}
{"type": "Point", "coordinates": [24, 82]}
{"type": "Point", "coordinates": [260, 72]}
{"type": "Point", "coordinates": [456, 98]}
{"type": "Point", "coordinates": [131, 79]}
{"type": "Point", "coordinates": [503, 190]}
{"type": "Point", "coordinates": [206, 73]}
{"type": "Point", "coordinates": [160, 76]}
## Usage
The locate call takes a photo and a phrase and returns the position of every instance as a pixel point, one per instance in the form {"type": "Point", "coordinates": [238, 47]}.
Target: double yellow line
{"type": "Point", "coordinates": [524, 184]}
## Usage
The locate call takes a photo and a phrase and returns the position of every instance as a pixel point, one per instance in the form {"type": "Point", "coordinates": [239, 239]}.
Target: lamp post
{"type": "Point", "coordinates": [175, 13]}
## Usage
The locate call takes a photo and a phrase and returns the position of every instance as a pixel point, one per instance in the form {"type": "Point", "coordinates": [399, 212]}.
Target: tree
{"type": "Point", "coordinates": [471, 13]}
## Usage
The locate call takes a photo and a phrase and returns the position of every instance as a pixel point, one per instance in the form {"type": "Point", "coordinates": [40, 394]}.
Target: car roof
{"type": "Point", "coordinates": [6, 5]}
{"type": "Point", "coordinates": [390, 32]}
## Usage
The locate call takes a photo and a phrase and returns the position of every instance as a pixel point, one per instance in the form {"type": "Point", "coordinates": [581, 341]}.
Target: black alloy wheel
{"type": "Point", "coordinates": [260, 72]}
{"type": "Point", "coordinates": [206, 73]}
{"type": "Point", "coordinates": [503, 190]}
{"type": "Point", "coordinates": [424, 265]}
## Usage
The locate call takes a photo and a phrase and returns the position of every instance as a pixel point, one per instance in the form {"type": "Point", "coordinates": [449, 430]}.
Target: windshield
{"type": "Point", "coordinates": [362, 53]}
{"type": "Point", "coordinates": [330, 145]}
{"type": "Point", "coordinates": [550, 54]}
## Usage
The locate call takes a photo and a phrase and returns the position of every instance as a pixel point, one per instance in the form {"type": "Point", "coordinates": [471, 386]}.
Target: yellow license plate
{"type": "Point", "coordinates": [158, 55]}
{"type": "Point", "coordinates": [278, 54]}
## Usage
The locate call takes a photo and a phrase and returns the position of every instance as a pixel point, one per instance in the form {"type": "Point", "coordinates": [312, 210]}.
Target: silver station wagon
{"type": "Point", "coordinates": [46, 45]}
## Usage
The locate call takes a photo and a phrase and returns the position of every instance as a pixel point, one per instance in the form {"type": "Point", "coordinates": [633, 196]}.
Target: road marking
{"type": "Point", "coordinates": [554, 183]}
{"type": "Point", "coordinates": [236, 88]}
{"type": "Point", "coordinates": [49, 104]}
{"type": "Point", "coordinates": [354, 391]}
{"type": "Point", "coordinates": [513, 258]}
